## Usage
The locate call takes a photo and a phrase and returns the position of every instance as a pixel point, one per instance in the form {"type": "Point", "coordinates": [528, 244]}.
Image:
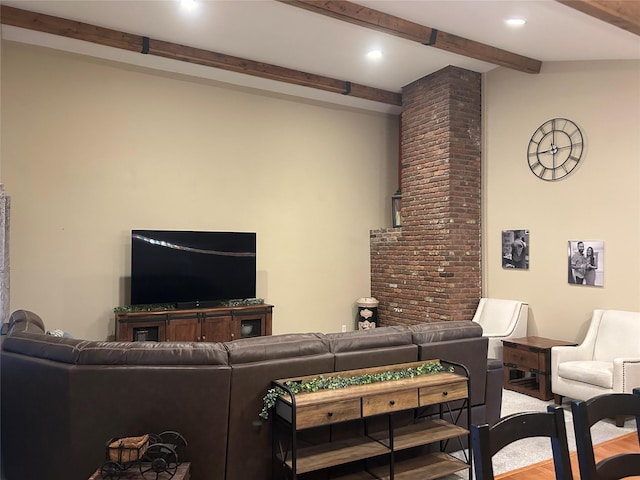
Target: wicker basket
{"type": "Point", "coordinates": [128, 449]}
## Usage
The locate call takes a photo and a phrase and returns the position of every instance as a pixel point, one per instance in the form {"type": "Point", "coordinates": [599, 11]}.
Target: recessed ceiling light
{"type": "Point", "coordinates": [515, 22]}
{"type": "Point", "coordinates": [374, 55]}
{"type": "Point", "coordinates": [188, 4]}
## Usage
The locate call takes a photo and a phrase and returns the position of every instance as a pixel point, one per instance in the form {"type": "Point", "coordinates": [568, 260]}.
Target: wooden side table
{"type": "Point", "coordinates": [133, 473]}
{"type": "Point", "coordinates": [527, 363]}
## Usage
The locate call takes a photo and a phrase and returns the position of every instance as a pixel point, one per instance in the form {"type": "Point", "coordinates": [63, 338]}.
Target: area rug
{"type": "Point", "coordinates": [533, 450]}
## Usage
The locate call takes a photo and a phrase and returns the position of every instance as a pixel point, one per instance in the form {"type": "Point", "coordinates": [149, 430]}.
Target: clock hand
{"type": "Point", "coordinates": [555, 149]}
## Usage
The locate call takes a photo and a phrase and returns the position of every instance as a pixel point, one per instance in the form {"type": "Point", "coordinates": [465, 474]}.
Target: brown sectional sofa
{"type": "Point", "coordinates": [62, 398]}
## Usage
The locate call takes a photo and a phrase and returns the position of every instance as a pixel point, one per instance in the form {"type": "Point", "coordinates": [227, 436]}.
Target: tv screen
{"type": "Point", "coordinates": [191, 268]}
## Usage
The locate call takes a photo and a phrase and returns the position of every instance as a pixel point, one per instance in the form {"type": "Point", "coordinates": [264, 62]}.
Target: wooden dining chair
{"type": "Point", "coordinates": [588, 412]}
{"type": "Point", "coordinates": [487, 441]}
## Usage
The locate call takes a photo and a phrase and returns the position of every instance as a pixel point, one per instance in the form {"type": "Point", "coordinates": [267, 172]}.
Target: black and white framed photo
{"type": "Point", "coordinates": [586, 262]}
{"type": "Point", "coordinates": [515, 249]}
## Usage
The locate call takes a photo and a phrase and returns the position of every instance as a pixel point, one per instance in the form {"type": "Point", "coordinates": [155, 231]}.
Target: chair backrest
{"type": "Point", "coordinates": [500, 316]}
{"type": "Point", "coordinates": [585, 414]}
{"type": "Point", "coordinates": [610, 343]}
{"type": "Point", "coordinates": [487, 441]}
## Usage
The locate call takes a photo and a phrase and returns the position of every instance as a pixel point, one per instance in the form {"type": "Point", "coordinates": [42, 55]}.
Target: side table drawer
{"type": "Point", "coordinates": [523, 359]}
{"type": "Point", "coordinates": [389, 402]}
{"type": "Point", "coordinates": [437, 394]}
{"type": "Point", "coordinates": [327, 413]}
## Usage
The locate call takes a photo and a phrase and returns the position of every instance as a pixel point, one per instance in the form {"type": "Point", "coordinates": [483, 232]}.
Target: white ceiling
{"type": "Point", "coordinates": [283, 35]}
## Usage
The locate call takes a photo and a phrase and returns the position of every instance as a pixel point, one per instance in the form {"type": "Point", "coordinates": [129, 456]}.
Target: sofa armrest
{"type": "Point", "coordinates": [561, 354]}
{"type": "Point", "coordinates": [470, 352]}
{"type": "Point", "coordinates": [493, 390]}
{"type": "Point", "coordinates": [566, 354]}
{"type": "Point", "coordinates": [626, 374]}
{"type": "Point", "coordinates": [494, 364]}
{"type": "Point", "coordinates": [569, 354]}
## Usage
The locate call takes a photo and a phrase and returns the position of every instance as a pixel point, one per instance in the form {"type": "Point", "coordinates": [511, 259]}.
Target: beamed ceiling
{"type": "Point", "coordinates": [316, 49]}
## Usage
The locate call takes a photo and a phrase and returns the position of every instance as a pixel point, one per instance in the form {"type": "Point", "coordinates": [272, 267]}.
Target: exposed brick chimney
{"type": "Point", "coordinates": [429, 269]}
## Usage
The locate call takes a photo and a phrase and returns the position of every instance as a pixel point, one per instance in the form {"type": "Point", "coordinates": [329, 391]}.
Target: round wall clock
{"type": "Point", "coordinates": [555, 149]}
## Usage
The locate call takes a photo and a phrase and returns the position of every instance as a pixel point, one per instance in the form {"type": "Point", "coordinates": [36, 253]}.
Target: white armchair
{"type": "Point", "coordinates": [607, 360]}
{"type": "Point", "coordinates": [500, 320]}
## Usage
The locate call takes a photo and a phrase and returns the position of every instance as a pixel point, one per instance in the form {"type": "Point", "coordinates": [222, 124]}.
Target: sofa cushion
{"type": "Point", "coordinates": [383, 337]}
{"type": "Point", "coordinates": [595, 373]}
{"type": "Point", "coordinates": [40, 345]}
{"type": "Point", "coordinates": [372, 348]}
{"type": "Point", "coordinates": [86, 352]}
{"type": "Point", "coordinates": [152, 353]}
{"type": "Point", "coordinates": [258, 349]}
{"type": "Point", "coordinates": [446, 330]}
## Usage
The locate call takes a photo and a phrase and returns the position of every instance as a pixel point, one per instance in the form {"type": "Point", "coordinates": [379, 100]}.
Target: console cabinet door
{"type": "Point", "coordinates": [216, 328]}
{"type": "Point", "coordinates": [183, 328]}
{"type": "Point", "coordinates": [140, 328]}
{"type": "Point", "coordinates": [248, 324]}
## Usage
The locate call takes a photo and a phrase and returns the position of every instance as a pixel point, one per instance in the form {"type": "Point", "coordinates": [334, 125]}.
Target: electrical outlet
{"type": "Point", "coordinates": [344, 328]}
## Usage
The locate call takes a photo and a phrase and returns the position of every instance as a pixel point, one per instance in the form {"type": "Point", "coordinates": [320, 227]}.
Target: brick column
{"type": "Point", "coordinates": [429, 269]}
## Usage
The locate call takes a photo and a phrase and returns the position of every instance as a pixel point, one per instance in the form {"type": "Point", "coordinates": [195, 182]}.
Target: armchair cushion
{"type": "Point", "coordinates": [592, 372]}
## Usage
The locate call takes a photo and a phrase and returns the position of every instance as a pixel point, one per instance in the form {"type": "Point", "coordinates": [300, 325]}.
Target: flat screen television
{"type": "Point", "coordinates": [191, 268]}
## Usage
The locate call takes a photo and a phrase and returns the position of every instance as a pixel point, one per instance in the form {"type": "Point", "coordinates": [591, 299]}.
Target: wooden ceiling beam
{"type": "Point", "coordinates": [623, 14]}
{"type": "Point", "coordinates": [271, 72]}
{"type": "Point", "coordinates": [69, 28]}
{"type": "Point", "coordinates": [392, 25]}
{"type": "Point", "coordinates": [112, 38]}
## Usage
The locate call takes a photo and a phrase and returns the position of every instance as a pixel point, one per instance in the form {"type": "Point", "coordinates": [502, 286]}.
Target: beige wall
{"type": "Point", "coordinates": [92, 150]}
{"type": "Point", "coordinates": [600, 200]}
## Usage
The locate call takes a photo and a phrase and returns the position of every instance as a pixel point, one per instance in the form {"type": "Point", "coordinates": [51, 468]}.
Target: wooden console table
{"type": "Point", "coordinates": [133, 473]}
{"type": "Point", "coordinates": [296, 412]}
{"type": "Point", "coordinates": [527, 362]}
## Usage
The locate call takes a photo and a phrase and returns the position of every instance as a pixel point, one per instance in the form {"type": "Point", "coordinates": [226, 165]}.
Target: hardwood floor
{"type": "Point", "coordinates": [544, 470]}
